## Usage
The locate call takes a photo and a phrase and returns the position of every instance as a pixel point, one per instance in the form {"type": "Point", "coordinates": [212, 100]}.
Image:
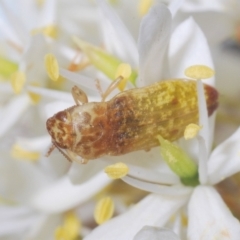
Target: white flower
{"type": "Point", "coordinates": [153, 233]}
{"type": "Point", "coordinates": [185, 49]}
{"type": "Point", "coordinates": [219, 20]}
{"type": "Point", "coordinates": [196, 50]}
{"type": "Point", "coordinates": [157, 208]}
{"type": "Point", "coordinates": [35, 191]}
{"type": "Point", "coordinates": [208, 216]}
{"type": "Point", "coordinates": [44, 188]}
{"type": "Point", "coordinates": [25, 43]}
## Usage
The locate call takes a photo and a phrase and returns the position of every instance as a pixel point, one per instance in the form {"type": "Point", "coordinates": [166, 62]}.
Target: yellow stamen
{"type": "Point", "coordinates": [70, 229]}
{"type": "Point", "coordinates": [48, 31]}
{"type": "Point", "coordinates": [34, 96]}
{"type": "Point", "coordinates": [184, 220]}
{"type": "Point", "coordinates": [124, 70]}
{"type": "Point", "coordinates": [113, 2]}
{"type": "Point", "coordinates": [199, 72]}
{"type": "Point", "coordinates": [144, 6]}
{"type": "Point", "coordinates": [103, 210]}
{"type": "Point", "coordinates": [6, 201]}
{"type": "Point", "coordinates": [18, 80]}
{"type": "Point", "coordinates": [40, 2]}
{"type": "Point", "coordinates": [117, 170]}
{"type": "Point", "coordinates": [51, 65]}
{"type": "Point", "coordinates": [78, 63]}
{"type": "Point", "coordinates": [191, 131]}
{"type": "Point", "coordinates": [19, 153]}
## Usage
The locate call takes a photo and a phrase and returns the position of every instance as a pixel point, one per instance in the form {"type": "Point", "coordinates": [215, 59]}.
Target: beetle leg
{"type": "Point", "coordinates": [84, 161]}
{"type": "Point", "coordinates": [111, 87]}
{"type": "Point", "coordinates": [98, 86]}
{"type": "Point", "coordinates": [75, 157]}
{"type": "Point", "coordinates": [79, 96]}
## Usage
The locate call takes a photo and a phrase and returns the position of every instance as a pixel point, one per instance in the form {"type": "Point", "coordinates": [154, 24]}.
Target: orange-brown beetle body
{"type": "Point", "coordinates": [130, 121]}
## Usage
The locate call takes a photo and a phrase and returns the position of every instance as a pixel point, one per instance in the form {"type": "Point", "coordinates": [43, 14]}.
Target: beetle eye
{"type": "Point", "coordinates": [61, 116]}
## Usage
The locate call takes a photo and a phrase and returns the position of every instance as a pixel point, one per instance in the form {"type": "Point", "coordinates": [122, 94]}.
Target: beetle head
{"type": "Point", "coordinates": [60, 128]}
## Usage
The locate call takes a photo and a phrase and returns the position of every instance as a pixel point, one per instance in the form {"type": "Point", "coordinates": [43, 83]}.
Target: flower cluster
{"type": "Point", "coordinates": [168, 192]}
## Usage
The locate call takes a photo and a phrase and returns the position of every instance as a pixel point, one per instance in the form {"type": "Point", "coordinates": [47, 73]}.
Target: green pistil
{"type": "Point", "coordinates": [191, 181]}
{"type": "Point", "coordinates": [103, 61]}
{"type": "Point", "coordinates": [179, 162]}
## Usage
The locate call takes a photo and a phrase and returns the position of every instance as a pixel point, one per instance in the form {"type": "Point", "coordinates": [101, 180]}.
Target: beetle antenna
{"type": "Point", "coordinates": [50, 150]}
{"type": "Point", "coordinates": [64, 154]}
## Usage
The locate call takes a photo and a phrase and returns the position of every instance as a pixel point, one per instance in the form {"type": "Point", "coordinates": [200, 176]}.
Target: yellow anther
{"type": "Point", "coordinates": [184, 220]}
{"type": "Point", "coordinates": [19, 153]}
{"type": "Point", "coordinates": [48, 31]}
{"type": "Point", "coordinates": [113, 2]}
{"type": "Point", "coordinates": [117, 170]}
{"type": "Point", "coordinates": [34, 96]}
{"type": "Point", "coordinates": [103, 210]}
{"type": "Point", "coordinates": [40, 2]}
{"type": "Point", "coordinates": [18, 80]}
{"type": "Point", "coordinates": [191, 131]}
{"type": "Point", "coordinates": [199, 72]}
{"type": "Point", "coordinates": [144, 6]}
{"type": "Point", "coordinates": [70, 229]}
{"type": "Point", "coordinates": [124, 70]}
{"type": "Point", "coordinates": [51, 65]}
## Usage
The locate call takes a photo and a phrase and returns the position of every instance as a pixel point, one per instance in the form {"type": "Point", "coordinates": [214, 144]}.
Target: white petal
{"type": "Point", "coordinates": [79, 173]}
{"type": "Point", "coordinates": [54, 107]}
{"type": "Point", "coordinates": [188, 46]}
{"type": "Point", "coordinates": [16, 220]}
{"type": "Point", "coordinates": [202, 162]}
{"type": "Point", "coordinates": [177, 190]}
{"type": "Point", "coordinates": [203, 138]}
{"type": "Point", "coordinates": [8, 32]}
{"type": "Point", "coordinates": [203, 116]}
{"type": "Point", "coordinates": [53, 94]}
{"type": "Point", "coordinates": [152, 175]}
{"type": "Point", "coordinates": [209, 217]}
{"type": "Point", "coordinates": [26, 10]}
{"type": "Point", "coordinates": [82, 80]}
{"type": "Point", "coordinates": [203, 5]}
{"type": "Point", "coordinates": [153, 38]}
{"type": "Point", "coordinates": [154, 233]}
{"type": "Point", "coordinates": [20, 180]}
{"type": "Point", "coordinates": [44, 227]}
{"type": "Point", "coordinates": [154, 169]}
{"type": "Point", "coordinates": [153, 210]}
{"type": "Point", "coordinates": [32, 59]}
{"type": "Point", "coordinates": [62, 195]}
{"type": "Point", "coordinates": [13, 111]}
{"type": "Point", "coordinates": [34, 144]}
{"type": "Point", "coordinates": [48, 14]}
{"type": "Point", "coordinates": [174, 6]}
{"type": "Point", "coordinates": [15, 22]}
{"type": "Point", "coordinates": [117, 38]}
{"type": "Point", "coordinates": [225, 159]}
